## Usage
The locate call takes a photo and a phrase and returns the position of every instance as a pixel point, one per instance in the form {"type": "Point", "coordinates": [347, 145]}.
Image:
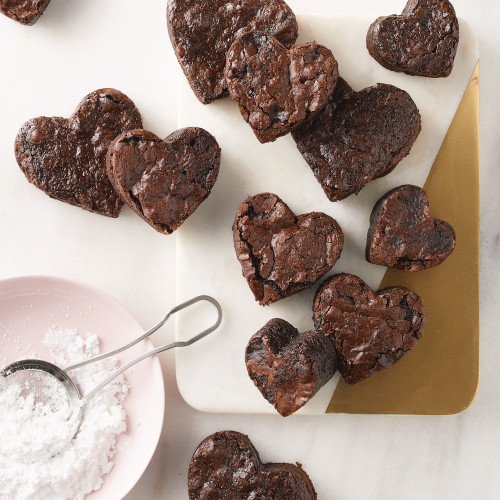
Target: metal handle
{"type": "Point", "coordinates": [166, 347]}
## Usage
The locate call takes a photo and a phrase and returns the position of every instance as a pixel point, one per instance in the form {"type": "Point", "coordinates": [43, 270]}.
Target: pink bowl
{"type": "Point", "coordinates": [30, 305]}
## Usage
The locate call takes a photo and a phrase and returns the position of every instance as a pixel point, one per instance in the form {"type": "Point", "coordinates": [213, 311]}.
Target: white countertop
{"type": "Point", "coordinates": [353, 456]}
{"type": "Point", "coordinates": [379, 457]}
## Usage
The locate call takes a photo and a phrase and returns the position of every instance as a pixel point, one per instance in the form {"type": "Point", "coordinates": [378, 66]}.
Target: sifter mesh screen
{"type": "Point", "coordinates": [48, 392]}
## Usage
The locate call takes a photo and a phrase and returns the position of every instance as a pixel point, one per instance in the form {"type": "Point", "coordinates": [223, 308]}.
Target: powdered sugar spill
{"type": "Point", "coordinates": [29, 432]}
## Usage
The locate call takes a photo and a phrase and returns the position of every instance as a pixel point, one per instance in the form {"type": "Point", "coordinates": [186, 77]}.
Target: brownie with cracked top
{"type": "Point", "coordinates": [164, 181]}
{"type": "Point", "coordinates": [403, 235]}
{"type": "Point", "coordinates": [26, 12]}
{"type": "Point", "coordinates": [358, 137]}
{"type": "Point", "coordinates": [371, 330]}
{"type": "Point", "coordinates": [278, 89]}
{"type": "Point", "coordinates": [66, 158]}
{"type": "Point", "coordinates": [422, 41]}
{"type": "Point", "coordinates": [281, 253]}
{"type": "Point", "coordinates": [287, 366]}
{"type": "Point", "coordinates": [226, 466]}
{"type": "Point", "coordinates": [201, 32]}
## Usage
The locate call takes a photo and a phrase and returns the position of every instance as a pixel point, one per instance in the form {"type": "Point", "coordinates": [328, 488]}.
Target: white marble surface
{"type": "Point", "coordinates": [249, 168]}
{"type": "Point", "coordinates": [347, 456]}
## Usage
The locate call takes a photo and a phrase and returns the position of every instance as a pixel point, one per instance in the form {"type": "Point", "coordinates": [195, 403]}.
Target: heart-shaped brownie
{"type": "Point", "coordinates": [202, 31]}
{"type": "Point", "coordinates": [421, 41]}
{"type": "Point", "coordinates": [404, 236]}
{"type": "Point", "coordinates": [280, 253]}
{"type": "Point", "coordinates": [371, 330]}
{"type": "Point", "coordinates": [66, 158]}
{"type": "Point", "coordinates": [289, 367]}
{"type": "Point", "coordinates": [164, 181]}
{"type": "Point", "coordinates": [25, 12]}
{"type": "Point", "coordinates": [226, 466]}
{"type": "Point", "coordinates": [278, 89]}
{"type": "Point", "coordinates": [358, 137]}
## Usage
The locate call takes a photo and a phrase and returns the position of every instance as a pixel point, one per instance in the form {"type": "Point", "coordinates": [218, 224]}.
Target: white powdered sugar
{"type": "Point", "coordinates": [30, 433]}
{"type": "Point", "coordinates": [26, 417]}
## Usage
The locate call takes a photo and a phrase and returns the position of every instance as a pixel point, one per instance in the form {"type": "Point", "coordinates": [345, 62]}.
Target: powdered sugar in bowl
{"type": "Point", "coordinates": [30, 307]}
{"type": "Point", "coordinates": [40, 413]}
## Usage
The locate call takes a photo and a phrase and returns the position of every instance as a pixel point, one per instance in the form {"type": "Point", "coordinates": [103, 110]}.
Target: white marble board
{"type": "Point", "coordinates": [211, 375]}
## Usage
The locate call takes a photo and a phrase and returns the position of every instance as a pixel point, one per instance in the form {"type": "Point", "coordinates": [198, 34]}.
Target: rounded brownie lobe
{"type": "Point", "coordinates": [358, 137]}
{"type": "Point", "coordinates": [422, 41]}
{"type": "Point", "coordinates": [226, 466]}
{"type": "Point", "coordinates": [289, 367]}
{"type": "Point", "coordinates": [277, 89]}
{"type": "Point", "coordinates": [371, 330]}
{"type": "Point", "coordinates": [26, 12]}
{"type": "Point", "coordinates": [403, 235]}
{"type": "Point", "coordinates": [66, 158]}
{"type": "Point", "coordinates": [164, 181]}
{"type": "Point", "coordinates": [201, 32]}
{"type": "Point", "coordinates": [280, 253]}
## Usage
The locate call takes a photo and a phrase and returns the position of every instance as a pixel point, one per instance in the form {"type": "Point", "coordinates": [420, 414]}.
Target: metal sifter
{"type": "Point", "coordinates": [51, 386]}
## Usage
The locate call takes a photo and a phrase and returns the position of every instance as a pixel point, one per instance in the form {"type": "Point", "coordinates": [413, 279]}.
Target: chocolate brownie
{"type": "Point", "coordinates": [403, 235]}
{"type": "Point", "coordinates": [226, 466]}
{"type": "Point", "coordinates": [26, 12]}
{"type": "Point", "coordinates": [164, 181]}
{"type": "Point", "coordinates": [289, 367]}
{"type": "Point", "coordinates": [281, 253]}
{"type": "Point", "coordinates": [371, 330]}
{"type": "Point", "coordinates": [358, 137]}
{"type": "Point", "coordinates": [202, 31]}
{"type": "Point", "coordinates": [421, 41]}
{"type": "Point", "coordinates": [66, 158]}
{"type": "Point", "coordinates": [277, 89]}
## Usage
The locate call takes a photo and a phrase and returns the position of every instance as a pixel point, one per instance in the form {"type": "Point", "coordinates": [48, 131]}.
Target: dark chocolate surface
{"type": "Point", "coordinates": [371, 330]}
{"type": "Point", "coordinates": [164, 181]}
{"type": "Point", "coordinates": [358, 137]}
{"type": "Point", "coordinates": [277, 89]}
{"type": "Point", "coordinates": [403, 235]}
{"type": "Point", "coordinates": [226, 466]}
{"type": "Point", "coordinates": [422, 41]}
{"type": "Point", "coordinates": [201, 32]}
{"type": "Point", "coordinates": [289, 367]}
{"type": "Point", "coordinates": [66, 158]}
{"type": "Point", "coordinates": [280, 253]}
{"type": "Point", "coordinates": [26, 12]}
